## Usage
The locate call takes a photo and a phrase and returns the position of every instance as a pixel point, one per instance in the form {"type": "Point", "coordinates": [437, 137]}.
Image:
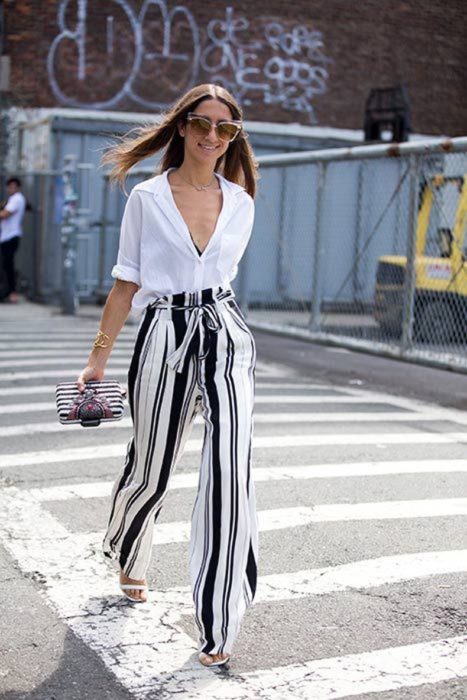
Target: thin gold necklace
{"type": "Point", "coordinates": [200, 188]}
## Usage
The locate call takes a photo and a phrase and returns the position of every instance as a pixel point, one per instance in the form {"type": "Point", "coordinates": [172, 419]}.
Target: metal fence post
{"type": "Point", "coordinates": [281, 274]}
{"type": "Point", "coordinates": [315, 319]}
{"type": "Point", "coordinates": [68, 232]}
{"type": "Point", "coordinates": [100, 291]}
{"type": "Point", "coordinates": [357, 284]}
{"type": "Point", "coordinates": [410, 276]}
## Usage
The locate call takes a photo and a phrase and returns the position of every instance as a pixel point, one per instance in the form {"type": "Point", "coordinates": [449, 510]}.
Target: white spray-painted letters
{"type": "Point", "coordinates": [148, 58]}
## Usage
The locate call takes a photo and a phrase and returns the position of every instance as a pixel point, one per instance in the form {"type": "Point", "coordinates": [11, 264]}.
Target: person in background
{"type": "Point", "coordinates": [11, 217]}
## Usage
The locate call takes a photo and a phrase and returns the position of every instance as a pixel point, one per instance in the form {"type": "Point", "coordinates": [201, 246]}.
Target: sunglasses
{"type": "Point", "coordinates": [226, 130]}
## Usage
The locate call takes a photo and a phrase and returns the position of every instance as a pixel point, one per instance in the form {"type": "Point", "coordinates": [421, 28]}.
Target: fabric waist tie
{"type": "Point", "coordinates": [203, 307]}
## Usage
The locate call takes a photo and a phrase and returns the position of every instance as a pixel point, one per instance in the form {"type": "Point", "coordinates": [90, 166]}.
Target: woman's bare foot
{"type": "Point", "coordinates": [134, 593]}
{"type": "Point", "coordinates": [213, 659]}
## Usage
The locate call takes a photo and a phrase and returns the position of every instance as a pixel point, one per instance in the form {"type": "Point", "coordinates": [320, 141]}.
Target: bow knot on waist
{"type": "Point", "coordinates": [204, 312]}
{"type": "Point", "coordinates": [203, 320]}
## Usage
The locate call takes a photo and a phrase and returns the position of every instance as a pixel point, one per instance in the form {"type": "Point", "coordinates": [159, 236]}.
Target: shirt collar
{"type": "Point", "coordinates": [160, 188]}
{"type": "Point", "coordinates": [230, 190]}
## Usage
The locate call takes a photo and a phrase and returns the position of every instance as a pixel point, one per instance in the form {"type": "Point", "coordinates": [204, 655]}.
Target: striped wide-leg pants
{"type": "Point", "coordinates": [193, 354]}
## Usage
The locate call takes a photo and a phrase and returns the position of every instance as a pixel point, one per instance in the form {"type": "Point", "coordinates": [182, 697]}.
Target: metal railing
{"type": "Point", "coordinates": [364, 247]}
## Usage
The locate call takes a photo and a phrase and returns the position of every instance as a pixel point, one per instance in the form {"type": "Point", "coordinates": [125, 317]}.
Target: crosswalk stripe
{"type": "Point", "coordinates": [391, 668]}
{"type": "Point", "coordinates": [31, 336]}
{"type": "Point", "coordinates": [299, 516]}
{"type": "Point", "coordinates": [355, 575]}
{"type": "Point", "coordinates": [58, 374]}
{"type": "Point", "coordinates": [367, 573]}
{"type": "Point", "coordinates": [56, 328]}
{"type": "Point", "coordinates": [48, 389]}
{"type": "Point", "coordinates": [187, 480]}
{"type": "Point", "coordinates": [8, 358]}
{"type": "Point", "coordinates": [415, 405]}
{"type": "Point", "coordinates": [302, 516]}
{"type": "Point", "coordinates": [28, 407]}
{"type": "Point", "coordinates": [81, 336]}
{"type": "Point", "coordinates": [381, 510]}
{"type": "Point", "coordinates": [57, 346]}
{"type": "Point", "coordinates": [260, 385]}
{"type": "Point", "coordinates": [113, 369]}
{"type": "Point", "coordinates": [260, 419]}
{"type": "Point", "coordinates": [73, 454]}
{"type": "Point", "coordinates": [70, 360]}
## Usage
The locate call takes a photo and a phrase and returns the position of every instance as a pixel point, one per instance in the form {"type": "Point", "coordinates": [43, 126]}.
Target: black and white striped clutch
{"type": "Point", "coordinates": [99, 402]}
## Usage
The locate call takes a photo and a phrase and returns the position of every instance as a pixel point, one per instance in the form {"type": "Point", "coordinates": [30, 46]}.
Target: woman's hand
{"type": "Point", "coordinates": [89, 374]}
{"type": "Point", "coordinates": [116, 309]}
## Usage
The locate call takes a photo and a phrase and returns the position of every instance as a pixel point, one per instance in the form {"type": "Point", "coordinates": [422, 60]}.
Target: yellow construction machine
{"type": "Point", "coordinates": [440, 294]}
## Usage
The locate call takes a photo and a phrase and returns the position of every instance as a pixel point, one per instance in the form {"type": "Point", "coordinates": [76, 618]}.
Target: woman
{"type": "Point", "coordinates": [183, 234]}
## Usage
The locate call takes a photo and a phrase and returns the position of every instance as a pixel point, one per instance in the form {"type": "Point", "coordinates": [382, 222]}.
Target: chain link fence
{"type": "Point", "coordinates": [364, 248]}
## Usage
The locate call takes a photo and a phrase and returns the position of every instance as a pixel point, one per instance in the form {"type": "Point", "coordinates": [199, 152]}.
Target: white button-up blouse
{"type": "Point", "coordinates": [156, 250]}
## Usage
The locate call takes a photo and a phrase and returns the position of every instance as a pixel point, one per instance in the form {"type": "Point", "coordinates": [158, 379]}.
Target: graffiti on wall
{"type": "Point", "coordinates": [115, 55]}
{"type": "Point", "coordinates": [291, 75]}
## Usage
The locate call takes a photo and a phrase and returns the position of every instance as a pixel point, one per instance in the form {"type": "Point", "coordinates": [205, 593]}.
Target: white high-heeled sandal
{"type": "Point", "coordinates": [133, 587]}
{"type": "Point", "coordinates": [213, 663]}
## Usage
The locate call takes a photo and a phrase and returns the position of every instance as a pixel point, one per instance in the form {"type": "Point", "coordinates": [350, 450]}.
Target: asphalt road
{"type": "Point", "coordinates": [361, 473]}
{"type": "Point", "coordinates": [341, 366]}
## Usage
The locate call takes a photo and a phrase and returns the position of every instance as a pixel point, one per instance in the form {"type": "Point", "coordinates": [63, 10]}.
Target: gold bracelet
{"type": "Point", "coordinates": [100, 341]}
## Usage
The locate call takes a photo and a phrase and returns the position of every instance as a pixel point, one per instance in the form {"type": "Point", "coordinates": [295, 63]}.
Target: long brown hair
{"type": "Point", "coordinates": [237, 164]}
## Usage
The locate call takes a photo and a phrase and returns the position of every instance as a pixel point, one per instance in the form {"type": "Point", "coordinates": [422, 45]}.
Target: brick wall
{"type": "Point", "coordinates": [303, 61]}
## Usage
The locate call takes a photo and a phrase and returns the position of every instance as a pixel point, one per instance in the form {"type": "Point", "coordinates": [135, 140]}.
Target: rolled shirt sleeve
{"type": "Point", "coordinates": [14, 203]}
{"type": "Point", "coordinates": [128, 266]}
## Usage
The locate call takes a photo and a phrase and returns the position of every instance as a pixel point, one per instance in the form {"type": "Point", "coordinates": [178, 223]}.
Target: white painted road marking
{"type": "Point", "coordinates": [72, 358]}
{"type": "Point", "coordinates": [50, 388]}
{"type": "Point", "coordinates": [58, 374]}
{"type": "Point", "coordinates": [44, 343]}
{"type": "Point", "coordinates": [26, 358]}
{"type": "Point", "coordinates": [26, 407]}
{"type": "Point", "coordinates": [260, 418]}
{"type": "Point", "coordinates": [57, 351]}
{"type": "Point", "coordinates": [367, 573]}
{"type": "Point", "coordinates": [113, 370]}
{"type": "Point", "coordinates": [41, 457]}
{"type": "Point", "coordinates": [163, 660]}
{"type": "Point", "coordinates": [300, 516]}
{"type": "Point", "coordinates": [187, 480]}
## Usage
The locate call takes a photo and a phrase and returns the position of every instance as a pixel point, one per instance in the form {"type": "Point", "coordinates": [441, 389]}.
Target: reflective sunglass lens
{"type": "Point", "coordinates": [227, 131]}
{"type": "Point", "coordinates": [200, 125]}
